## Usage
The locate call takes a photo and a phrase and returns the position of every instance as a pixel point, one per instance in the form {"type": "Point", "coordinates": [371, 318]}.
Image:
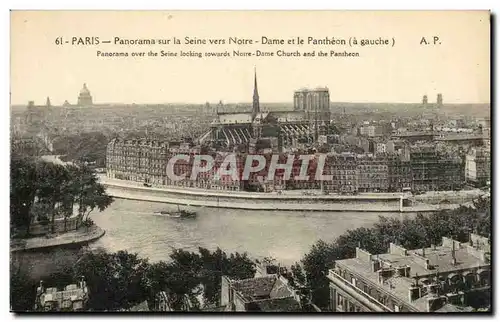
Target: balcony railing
{"type": "Point", "coordinates": [374, 301]}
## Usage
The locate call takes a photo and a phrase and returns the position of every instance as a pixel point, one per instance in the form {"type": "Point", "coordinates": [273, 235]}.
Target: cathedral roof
{"type": "Point", "coordinates": [236, 118]}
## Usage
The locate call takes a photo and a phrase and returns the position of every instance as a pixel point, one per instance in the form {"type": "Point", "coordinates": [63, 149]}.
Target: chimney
{"type": "Point", "coordinates": [414, 293]}
{"type": "Point", "coordinates": [432, 288]}
{"type": "Point", "coordinates": [423, 251]}
{"type": "Point", "coordinates": [363, 255]}
{"type": "Point", "coordinates": [453, 257]}
{"type": "Point", "coordinates": [428, 305]}
{"type": "Point", "coordinates": [407, 271]}
{"type": "Point", "coordinates": [40, 289]}
{"type": "Point", "coordinates": [376, 265]}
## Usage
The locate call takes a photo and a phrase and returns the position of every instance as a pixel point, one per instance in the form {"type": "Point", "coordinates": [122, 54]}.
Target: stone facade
{"type": "Point", "coordinates": [269, 293]}
{"type": "Point", "coordinates": [73, 298]}
{"type": "Point", "coordinates": [419, 280]}
{"type": "Point", "coordinates": [478, 166]}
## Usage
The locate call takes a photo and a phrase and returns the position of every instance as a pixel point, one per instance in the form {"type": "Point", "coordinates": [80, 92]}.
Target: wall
{"type": "Point", "coordinates": [239, 304]}
{"type": "Point", "coordinates": [224, 298]}
{"type": "Point", "coordinates": [59, 227]}
{"type": "Point", "coordinates": [265, 201]}
{"type": "Point", "coordinates": [41, 263]}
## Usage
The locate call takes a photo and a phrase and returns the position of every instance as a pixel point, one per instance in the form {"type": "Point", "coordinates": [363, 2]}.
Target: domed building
{"type": "Point", "coordinates": [84, 99]}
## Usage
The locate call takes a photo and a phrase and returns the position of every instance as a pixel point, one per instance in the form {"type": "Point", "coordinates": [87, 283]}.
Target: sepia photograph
{"type": "Point", "coordinates": [250, 161]}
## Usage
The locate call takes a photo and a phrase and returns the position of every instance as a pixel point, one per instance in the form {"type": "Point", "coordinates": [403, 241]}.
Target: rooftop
{"type": "Point", "coordinates": [236, 118]}
{"type": "Point", "coordinates": [287, 304]}
{"type": "Point", "coordinates": [256, 288]}
{"type": "Point", "coordinates": [450, 308]}
{"type": "Point", "coordinates": [268, 294]}
{"type": "Point", "coordinates": [289, 116]}
{"type": "Point", "coordinates": [141, 307]}
{"type": "Point", "coordinates": [64, 299]}
{"type": "Point", "coordinates": [397, 271]}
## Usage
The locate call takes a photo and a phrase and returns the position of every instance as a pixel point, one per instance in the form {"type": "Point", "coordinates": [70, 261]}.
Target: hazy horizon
{"type": "Point", "coordinates": [249, 103]}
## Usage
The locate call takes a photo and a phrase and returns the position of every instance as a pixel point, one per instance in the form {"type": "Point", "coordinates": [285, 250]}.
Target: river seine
{"type": "Point", "coordinates": [131, 225]}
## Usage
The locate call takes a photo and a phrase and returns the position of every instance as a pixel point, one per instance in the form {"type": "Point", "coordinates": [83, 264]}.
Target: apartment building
{"type": "Point", "coordinates": [451, 277]}
{"type": "Point", "coordinates": [478, 166]}
{"type": "Point", "coordinates": [72, 298]}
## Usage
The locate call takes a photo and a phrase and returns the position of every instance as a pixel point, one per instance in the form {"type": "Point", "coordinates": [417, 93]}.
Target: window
{"type": "Point", "coordinates": [396, 308]}
{"type": "Point", "coordinates": [342, 303]}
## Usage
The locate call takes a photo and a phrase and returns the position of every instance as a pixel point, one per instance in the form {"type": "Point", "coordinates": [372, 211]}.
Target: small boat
{"type": "Point", "coordinates": [176, 214]}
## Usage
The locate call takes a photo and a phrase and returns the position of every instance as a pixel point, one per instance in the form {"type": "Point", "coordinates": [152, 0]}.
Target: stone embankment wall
{"type": "Point", "coordinates": [42, 256]}
{"type": "Point", "coordinates": [257, 201]}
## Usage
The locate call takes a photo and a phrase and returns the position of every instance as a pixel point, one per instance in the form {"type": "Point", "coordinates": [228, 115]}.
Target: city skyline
{"type": "Point", "coordinates": [459, 69]}
{"type": "Point", "coordinates": [73, 101]}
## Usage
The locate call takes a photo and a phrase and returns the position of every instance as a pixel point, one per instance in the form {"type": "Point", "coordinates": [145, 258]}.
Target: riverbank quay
{"type": "Point", "coordinates": [40, 257]}
{"type": "Point", "coordinates": [286, 201]}
{"type": "Point", "coordinates": [81, 236]}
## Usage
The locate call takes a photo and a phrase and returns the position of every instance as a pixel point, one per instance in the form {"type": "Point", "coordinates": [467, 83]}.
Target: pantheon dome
{"type": "Point", "coordinates": [84, 99]}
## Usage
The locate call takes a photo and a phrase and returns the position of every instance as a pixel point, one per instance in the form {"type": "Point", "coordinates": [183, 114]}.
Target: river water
{"type": "Point", "coordinates": [130, 225]}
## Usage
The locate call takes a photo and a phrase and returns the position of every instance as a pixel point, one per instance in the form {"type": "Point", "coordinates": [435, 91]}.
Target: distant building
{"type": "Point", "coordinates": [370, 130]}
{"type": "Point", "coordinates": [269, 293]}
{"type": "Point", "coordinates": [372, 174]}
{"type": "Point", "coordinates": [478, 166]}
{"type": "Point", "coordinates": [439, 101]}
{"type": "Point", "coordinates": [343, 168]}
{"type": "Point", "coordinates": [304, 124]}
{"type": "Point", "coordinates": [315, 103]}
{"type": "Point", "coordinates": [85, 99]}
{"type": "Point", "coordinates": [432, 170]}
{"type": "Point", "coordinates": [485, 127]}
{"type": "Point", "coordinates": [421, 168]}
{"type": "Point", "coordinates": [30, 146]}
{"type": "Point", "coordinates": [375, 130]}
{"type": "Point", "coordinates": [425, 101]}
{"type": "Point", "coordinates": [453, 276]}
{"type": "Point", "coordinates": [73, 298]}
{"type": "Point", "coordinates": [48, 104]}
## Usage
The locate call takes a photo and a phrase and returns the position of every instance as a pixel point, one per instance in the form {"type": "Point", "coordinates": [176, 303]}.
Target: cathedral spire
{"type": "Point", "coordinates": [256, 105]}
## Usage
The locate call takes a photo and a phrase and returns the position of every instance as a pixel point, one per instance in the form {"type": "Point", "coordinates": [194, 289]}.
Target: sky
{"type": "Point", "coordinates": [459, 67]}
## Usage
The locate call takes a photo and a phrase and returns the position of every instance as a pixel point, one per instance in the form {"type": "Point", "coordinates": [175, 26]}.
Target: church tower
{"type": "Point", "coordinates": [439, 101]}
{"type": "Point", "coordinates": [256, 105]}
{"type": "Point", "coordinates": [425, 101]}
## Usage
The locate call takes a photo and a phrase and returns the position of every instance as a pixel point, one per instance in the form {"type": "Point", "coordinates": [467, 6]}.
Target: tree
{"type": "Point", "coordinates": [190, 273]}
{"type": "Point", "coordinates": [88, 146]}
{"type": "Point", "coordinates": [50, 180]}
{"type": "Point", "coordinates": [418, 232]}
{"type": "Point", "coordinates": [316, 264]}
{"type": "Point", "coordinates": [91, 194]}
{"type": "Point", "coordinates": [218, 263]}
{"type": "Point", "coordinates": [23, 189]}
{"type": "Point", "coordinates": [298, 274]}
{"type": "Point", "coordinates": [115, 280]}
{"type": "Point", "coordinates": [22, 290]}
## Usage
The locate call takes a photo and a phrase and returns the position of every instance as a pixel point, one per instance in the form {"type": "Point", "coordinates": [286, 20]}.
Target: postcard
{"type": "Point", "coordinates": [250, 161]}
